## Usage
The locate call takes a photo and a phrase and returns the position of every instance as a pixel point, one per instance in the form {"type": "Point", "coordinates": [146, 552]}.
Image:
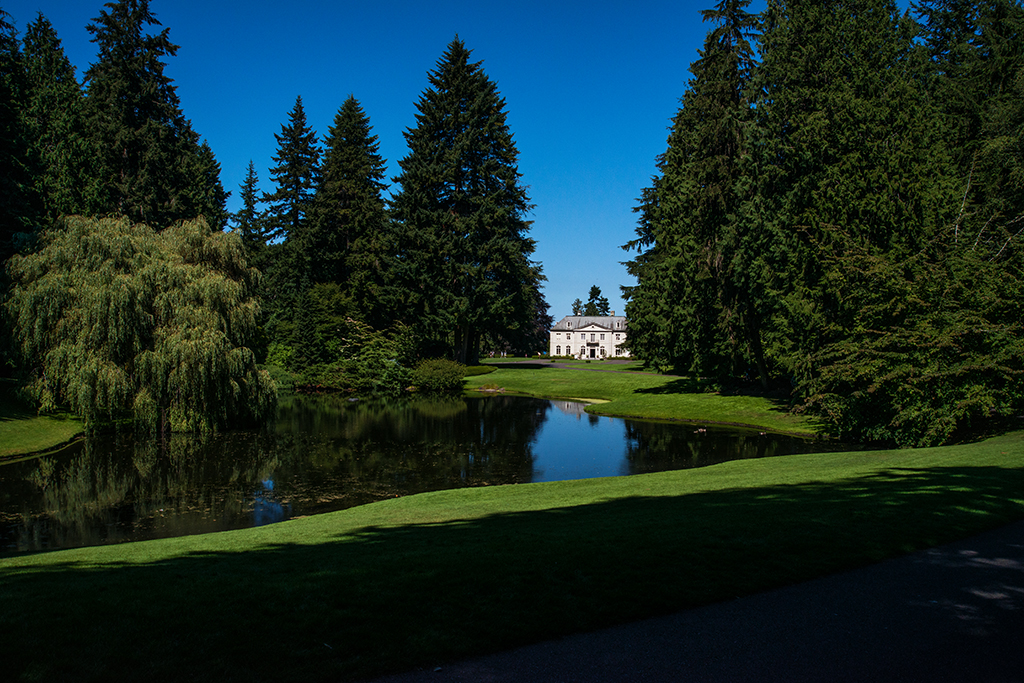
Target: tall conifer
{"type": "Point", "coordinates": [150, 165]}
{"type": "Point", "coordinates": [287, 223]}
{"type": "Point", "coordinates": [52, 113]}
{"type": "Point", "coordinates": [349, 235]}
{"type": "Point", "coordinates": [19, 205]}
{"type": "Point", "coordinates": [691, 310]}
{"type": "Point", "coordinates": [463, 245]}
{"type": "Point", "coordinates": [295, 176]}
{"type": "Point", "coordinates": [249, 220]}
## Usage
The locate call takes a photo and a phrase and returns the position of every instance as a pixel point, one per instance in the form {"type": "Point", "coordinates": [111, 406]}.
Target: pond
{"type": "Point", "coordinates": [329, 453]}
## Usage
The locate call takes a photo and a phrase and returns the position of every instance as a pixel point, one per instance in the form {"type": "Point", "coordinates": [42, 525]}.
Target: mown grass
{"type": "Point", "coordinates": [22, 431]}
{"type": "Point", "coordinates": [647, 396]}
{"type": "Point", "coordinates": [424, 579]}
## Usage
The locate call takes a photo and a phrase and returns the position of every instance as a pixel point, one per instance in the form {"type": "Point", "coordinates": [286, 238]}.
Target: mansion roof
{"type": "Point", "coordinates": [611, 323]}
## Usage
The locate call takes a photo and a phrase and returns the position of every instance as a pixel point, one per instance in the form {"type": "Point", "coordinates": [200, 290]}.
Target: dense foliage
{"type": "Point", "coordinates": [438, 375]}
{"type": "Point", "coordinates": [117, 320]}
{"type": "Point", "coordinates": [463, 250]}
{"type": "Point", "coordinates": [842, 219]}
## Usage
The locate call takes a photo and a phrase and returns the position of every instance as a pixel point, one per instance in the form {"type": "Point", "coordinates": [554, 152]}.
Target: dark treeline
{"type": "Point", "coordinates": [323, 276]}
{"type": "Point", "coordinates": [839, 215]}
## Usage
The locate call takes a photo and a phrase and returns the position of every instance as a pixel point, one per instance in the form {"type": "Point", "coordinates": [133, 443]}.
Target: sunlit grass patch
{"type": "Point", "coordinates": [650, 396]}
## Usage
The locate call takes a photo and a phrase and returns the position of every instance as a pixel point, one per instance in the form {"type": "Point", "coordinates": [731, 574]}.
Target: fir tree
{"type": "Point", "coordinates": [596, 304]}
{"type": "Point", "coordinates": [463, 245]}
{"type": "Point", "coordinates": [52, 115]}
{"type": "Point", "coordinates": [286, 224]}
{"type": "Point", "coordinates": [295, 176]}
{"type": "Point", "coordinates": [689, 307]}
{"type": "Point", "coordinates": [249, 221]}
{"type": "Point", "coordinates": [890, 325]}
{"type": "Point", "coordinates": [150, 165]}
{"type": "Point", "coordinates": [19, 203]}
{"type": "Point", "coordinates": [349, 233]}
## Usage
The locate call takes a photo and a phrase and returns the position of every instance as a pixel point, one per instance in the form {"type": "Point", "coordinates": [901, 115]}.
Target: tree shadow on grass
{"type": "Point", "coordinates": [522, 365]}
{"type": "Point", "coordinates": [380, 599]}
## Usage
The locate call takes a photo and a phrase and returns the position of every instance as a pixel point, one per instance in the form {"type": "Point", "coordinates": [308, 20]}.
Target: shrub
{"type": "Point", "coordinates": [438, 376]}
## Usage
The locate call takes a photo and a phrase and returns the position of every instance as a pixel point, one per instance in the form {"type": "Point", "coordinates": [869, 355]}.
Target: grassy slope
{"type": "Point", "coordinates": [645, 395]}
{"type": "Point", "coordinates": [22, 431]}
{"type": "Point", "coordinates": [418, 580]}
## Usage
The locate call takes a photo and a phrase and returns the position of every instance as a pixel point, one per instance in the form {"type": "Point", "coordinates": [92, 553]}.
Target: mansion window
{"type": "Point", "coordinates": [558, 350]}
{"type": "Point", "coordinates": [602, 337]}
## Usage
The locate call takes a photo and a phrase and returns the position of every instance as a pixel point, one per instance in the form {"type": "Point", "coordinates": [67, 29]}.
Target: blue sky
{"type": "Point", "coordinates": [590, 88]}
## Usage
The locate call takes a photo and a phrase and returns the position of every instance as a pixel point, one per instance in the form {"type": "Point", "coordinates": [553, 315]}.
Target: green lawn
{"type": "Point", "coordinates": [22, 431]}
{"type": "Point", "coordinates": [645, 395]}
{"type": "Point", "coordinates": [420, 580]}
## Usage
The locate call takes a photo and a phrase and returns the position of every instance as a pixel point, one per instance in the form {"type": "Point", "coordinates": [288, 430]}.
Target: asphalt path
{"type": "Point", "coordinates": [953, 613]}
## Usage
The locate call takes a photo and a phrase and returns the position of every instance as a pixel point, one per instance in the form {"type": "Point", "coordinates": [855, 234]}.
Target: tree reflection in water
{"type": "Point", "coordinates": [328, 453]}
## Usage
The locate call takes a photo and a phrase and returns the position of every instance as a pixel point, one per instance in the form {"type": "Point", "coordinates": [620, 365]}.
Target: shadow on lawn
{"type": "Point", "coordinates": [522, 365]}
{"type": "Point", "coordinates": [386, 599]}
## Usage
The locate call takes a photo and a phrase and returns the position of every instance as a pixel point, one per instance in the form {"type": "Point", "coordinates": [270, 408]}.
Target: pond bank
{"type": "Point", "coordinates": [644, 395]}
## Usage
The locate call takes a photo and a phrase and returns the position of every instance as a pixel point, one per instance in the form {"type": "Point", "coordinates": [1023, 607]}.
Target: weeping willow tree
{"type": "Point", "coordinates": [118, 321]}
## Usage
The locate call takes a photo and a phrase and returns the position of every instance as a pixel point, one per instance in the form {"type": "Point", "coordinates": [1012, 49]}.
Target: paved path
{"type": "Point", "coordinates": [954, 613]}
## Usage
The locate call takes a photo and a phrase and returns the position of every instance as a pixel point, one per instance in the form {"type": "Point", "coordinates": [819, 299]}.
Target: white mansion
{"type": "Point", "coordinates": [589, 336]}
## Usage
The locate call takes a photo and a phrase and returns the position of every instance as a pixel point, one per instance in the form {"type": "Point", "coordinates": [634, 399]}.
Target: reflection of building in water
{"type": "Point", "coordinates": [589, 336]}
{"type": "Point", "coordinates": [571, 407]}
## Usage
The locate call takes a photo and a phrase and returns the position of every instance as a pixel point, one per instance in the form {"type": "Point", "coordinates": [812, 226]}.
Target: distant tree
{"type": "Point", "coordinates": [249, 222]}
{"type": "Point", "coordinates": [150, 165]}
{"type": "Point", "coordinates": [116, 320]}
{"type": "Point", "coordinates": [463, 250]}
{"type": "Point", "coordinates": [596, 304]}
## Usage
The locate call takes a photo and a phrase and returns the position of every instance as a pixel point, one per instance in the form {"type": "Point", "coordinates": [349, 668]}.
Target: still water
{"type": "Point", "coordinates": [329, 453]}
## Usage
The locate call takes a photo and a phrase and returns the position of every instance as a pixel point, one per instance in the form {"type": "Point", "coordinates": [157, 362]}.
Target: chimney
{"type": "Point", "coordinates": [613, 312]}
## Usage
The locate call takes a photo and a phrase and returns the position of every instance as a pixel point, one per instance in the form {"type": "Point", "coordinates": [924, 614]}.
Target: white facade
{"type": "Point", "coordinates": [588, 336]}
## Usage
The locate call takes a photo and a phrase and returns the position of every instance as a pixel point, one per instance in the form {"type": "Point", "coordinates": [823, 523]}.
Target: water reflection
{"type": "Point", "coordinates": [326, 453]}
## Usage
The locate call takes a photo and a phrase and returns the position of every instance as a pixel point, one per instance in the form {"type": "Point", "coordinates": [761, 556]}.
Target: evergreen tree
{"type": "Point", "coordinates": [891, 326]}
{"type": "Point", "coordinates": [150, 165]}
{"type": "Point", "coordinates": [249, 221]}
{"type": "Point", "coordinates": [596, 304]}
{"type": "Point", "coordinates": [19, 203]}
{"type": "Point", "coordinates": [463, 245]}
{"type": "Point", "coordinates": [349, 229]}
{"type": "Point", "coordinates": [577, 307]}
{"type": "Point", "coordinates": [286, 224]}
{"type": "Point", "coordinates": [691, 310]}
{"type": "Point", "coordinates": [52, 115]}
{"type": "Point", "coordinates": [202, 193]}
{"type": "Point", "coordinates": [295, 176]}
